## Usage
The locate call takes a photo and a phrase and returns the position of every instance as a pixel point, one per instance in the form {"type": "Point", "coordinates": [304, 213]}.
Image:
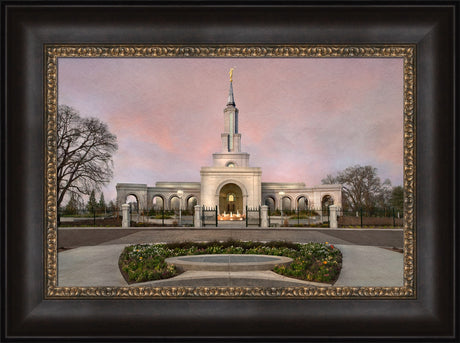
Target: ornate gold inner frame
{"type": "Point", "coordinates": [54, 52]}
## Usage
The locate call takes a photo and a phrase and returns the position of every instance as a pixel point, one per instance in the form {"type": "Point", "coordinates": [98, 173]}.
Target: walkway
{"type": "Point", "coordinates": [98, 266]}
{"type": "Point", "coordinates": [76, 237]}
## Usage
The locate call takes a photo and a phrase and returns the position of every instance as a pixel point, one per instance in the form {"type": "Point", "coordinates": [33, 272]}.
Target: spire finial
{"type": "Point", "coordinates": [231, 73]}
{"type": "Point", "coordinates": [231, 100]}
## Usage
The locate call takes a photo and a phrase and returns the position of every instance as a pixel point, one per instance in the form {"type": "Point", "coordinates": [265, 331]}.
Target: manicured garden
{"type": "Point", "coordinates": [318, 262]}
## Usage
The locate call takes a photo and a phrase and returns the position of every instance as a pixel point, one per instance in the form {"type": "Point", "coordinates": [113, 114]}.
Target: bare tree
{"type": "Point", "coordinates": [362, 187]}
{"type": "Point", "coordinates": [329, 180]}
{"type": "Point", "coordinates": [84, 153]}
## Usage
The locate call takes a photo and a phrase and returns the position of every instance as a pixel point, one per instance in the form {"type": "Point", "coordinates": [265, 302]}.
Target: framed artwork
{"type": "Point", "coordinates": [365, 78]}
{"type": "Point", "coordinates": [384, 65]}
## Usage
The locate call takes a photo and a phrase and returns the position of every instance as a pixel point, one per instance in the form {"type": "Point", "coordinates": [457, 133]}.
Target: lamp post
{"type": "Point", "coordinates": [281, 205]}
{"type": "Point", "coordinates": [180, 193]}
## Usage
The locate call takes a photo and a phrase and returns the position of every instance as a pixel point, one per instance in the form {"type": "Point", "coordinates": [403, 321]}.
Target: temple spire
{"type": "Point", "coordinates": [231, 99]}
{"type": "Point", "coordinates": [231, 139]}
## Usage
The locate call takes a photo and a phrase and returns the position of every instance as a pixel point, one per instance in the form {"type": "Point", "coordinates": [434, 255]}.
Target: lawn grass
{"type": "Point", "coordinates": [318, 262]}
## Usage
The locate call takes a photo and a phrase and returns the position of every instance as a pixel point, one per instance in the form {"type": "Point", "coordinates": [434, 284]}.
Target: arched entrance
{"type": "Point", "coordinates": [158, 203]}
{"type": "Point", "coordinates": [191, 202]}
{"type": "Point", "coordinates": [175, 203]}
{"type": "Point", "coordinates": [302, 203]}
{"type": "Point", "coordinates": [327, 201]}
{"type": "Point", "coordinates": [231, 199]}
{"type": "Point", "coordinates": [270, 202]}
{"type": "Point", "coordinates": [286, 204]}
{"type": "Point", "coordinates": [133, 203]}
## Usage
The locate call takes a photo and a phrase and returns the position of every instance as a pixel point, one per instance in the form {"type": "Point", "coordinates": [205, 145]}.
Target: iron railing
{"type": "Point", "coordinates": [209, 216]}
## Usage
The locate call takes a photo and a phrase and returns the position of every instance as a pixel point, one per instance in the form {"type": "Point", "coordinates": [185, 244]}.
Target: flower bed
{"type": "Point", "coordinates": [319, 262]}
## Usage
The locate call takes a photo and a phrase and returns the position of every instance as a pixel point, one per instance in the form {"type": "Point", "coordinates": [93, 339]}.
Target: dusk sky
{"type": "Point", "coordinates": [300, 118]}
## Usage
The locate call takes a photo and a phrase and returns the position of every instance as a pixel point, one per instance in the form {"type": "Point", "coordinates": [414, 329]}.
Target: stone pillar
{"type": "Point", "coordinates": [126, 215]}
{"type": "Point", "coordinates": [264, 216]}
{"type": "Point", "coordinates": [197, 216]}
{"type": "Point", "coordinates": [333, 216]}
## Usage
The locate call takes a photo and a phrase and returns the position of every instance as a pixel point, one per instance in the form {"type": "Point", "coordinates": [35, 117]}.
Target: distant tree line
{"type": "Point", "coordinates": [76, 206]}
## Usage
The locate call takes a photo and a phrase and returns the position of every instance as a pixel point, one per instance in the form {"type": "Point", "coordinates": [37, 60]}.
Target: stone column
{"type": "Point", "coordinates": [333, 217]}
{"type": "Point", "coordinates": [197, 216]}
{"type": "Point", "coordinates": [264, 216]}
{"type": "Point", "coordinates": [126, 216]}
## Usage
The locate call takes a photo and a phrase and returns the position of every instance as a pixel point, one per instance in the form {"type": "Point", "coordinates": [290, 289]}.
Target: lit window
{"type": "Point", "coordinates": [231, 165]}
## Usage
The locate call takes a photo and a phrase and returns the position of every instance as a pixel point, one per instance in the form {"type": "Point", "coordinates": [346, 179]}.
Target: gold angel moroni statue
{"type": "Point", "coordinates": [231, 74]}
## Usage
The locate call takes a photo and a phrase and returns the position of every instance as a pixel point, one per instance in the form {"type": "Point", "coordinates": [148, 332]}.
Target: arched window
{"type": "Point", "coordinates": [191, 202]}
{"type": "Point", "coordinates": [302, 203]}
{"type": "Point", "coordinates": [286, 201]}
{"type": "Point", "coordinates": [231, 165]}
{"type": "Point", "coordinates": [158, 203]}
{"type": "Point", "coordinates": [133, 203]}
{"type": "Point", "coordinates": [327, 201]}
{"type": "Point", "coordinates": [175, 203]}
{"type": "Point", "coordinates": [270, 202]}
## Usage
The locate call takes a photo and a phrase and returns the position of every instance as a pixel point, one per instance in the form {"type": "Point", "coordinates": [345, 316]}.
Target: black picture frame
{"type": "Point", "coordinates": [26, 27]}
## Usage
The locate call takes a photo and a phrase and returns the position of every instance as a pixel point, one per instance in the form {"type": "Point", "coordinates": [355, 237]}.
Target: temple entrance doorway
{"type": "Point", "coordinates": [231, 199]}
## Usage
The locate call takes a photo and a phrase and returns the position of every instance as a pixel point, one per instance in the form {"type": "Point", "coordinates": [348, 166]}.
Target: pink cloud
{"type": "Point", "coordinates": [300, 118]}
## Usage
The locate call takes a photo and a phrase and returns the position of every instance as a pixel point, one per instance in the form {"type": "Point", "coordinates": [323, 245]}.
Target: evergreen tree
{"type": "Point", "coordinates": [92, 203]}
{"type": "Point", "coordinates": [397, 198]}
{"type": "Point", "coordinates": [101, 204]}
{"type": "Point", "coordinates": [72, 205]}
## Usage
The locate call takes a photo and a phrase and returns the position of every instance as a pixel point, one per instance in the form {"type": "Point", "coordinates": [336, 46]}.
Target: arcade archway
{"type": "Point", "coordinates": [327, 201]}
{"type": "Point", "coordinates": [231, 199]}
{"type": "Point", "coordinates": [270, 202]}
{"type": "Point", "coordinates": [133, 203]}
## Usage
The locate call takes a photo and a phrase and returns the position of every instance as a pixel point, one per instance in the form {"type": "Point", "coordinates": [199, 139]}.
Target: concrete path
{"type": "Point", "coordinates": [230, 279]}
{"type": "Point", "coordinates": [90, 266]}
{"type": "Point", "coordinates": [76, 237]}
{"type": "Point", "coordinates": [98, 266]}
{"type": "Point", "coordinates": [370, 266]}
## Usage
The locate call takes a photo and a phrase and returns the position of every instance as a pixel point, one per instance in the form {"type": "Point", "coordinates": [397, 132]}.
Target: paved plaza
{"type": "Point", "coordinates": [75, 237]}
{"type": "Point", "coordinates": [97, 264]}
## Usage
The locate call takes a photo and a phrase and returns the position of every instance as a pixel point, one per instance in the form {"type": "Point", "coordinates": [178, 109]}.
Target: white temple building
{"type": "Point", "coordinates": [231, 183]}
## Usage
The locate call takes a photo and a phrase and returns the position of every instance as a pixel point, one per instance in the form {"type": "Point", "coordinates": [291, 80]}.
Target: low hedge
{"type": "Point", "coordinates": [319, 262]}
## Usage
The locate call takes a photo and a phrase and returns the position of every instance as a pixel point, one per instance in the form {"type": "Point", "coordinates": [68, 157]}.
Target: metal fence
{"type": "Point", "coordinates": [253, 216]}
{"type": "Point", "coordinates": [376, 217]}
{"type": "Point", "coordinates": [157, 217]}
{"type": "Point", "coordinates": [371, 217]}
{"type": "Point", "coordinates": [209, 216]}
{"type": "Point", "coordinates": [299, 218]}
{"type": "Point", "coordinates": [151, 217]}
{"type": "Point", "coordinates": [319, 217]}
{"type": "Point", "coordinates": [90, 218]}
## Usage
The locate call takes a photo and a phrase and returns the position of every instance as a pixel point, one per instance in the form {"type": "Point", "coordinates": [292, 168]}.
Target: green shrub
{"type": "Point", "coordinates": [318, 262]}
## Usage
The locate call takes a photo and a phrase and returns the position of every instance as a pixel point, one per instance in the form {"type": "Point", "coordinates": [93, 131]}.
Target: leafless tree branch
{"type": "Point", "coordinates": [84, 153]}
{"type": "Point", "coordinates": [362, 187]}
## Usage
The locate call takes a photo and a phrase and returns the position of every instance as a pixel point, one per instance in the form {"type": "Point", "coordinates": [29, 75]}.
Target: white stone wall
{"type": "Point", "coordinates": [166, 191]}
{"type": "Point", "coordinates": [239, 159]}
{"type": "Point", "coordinates": [314, 195]}
{"type": "Point", "coordinates": [138, 190]}
{"type": "Point", "coordinates": [213, 179]}
{"type": "Point", "coordinates": [334, 191]}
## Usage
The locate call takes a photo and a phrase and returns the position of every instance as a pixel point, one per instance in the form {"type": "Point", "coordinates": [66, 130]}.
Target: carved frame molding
{"type": "Point", "coordinates": [54, 52]}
